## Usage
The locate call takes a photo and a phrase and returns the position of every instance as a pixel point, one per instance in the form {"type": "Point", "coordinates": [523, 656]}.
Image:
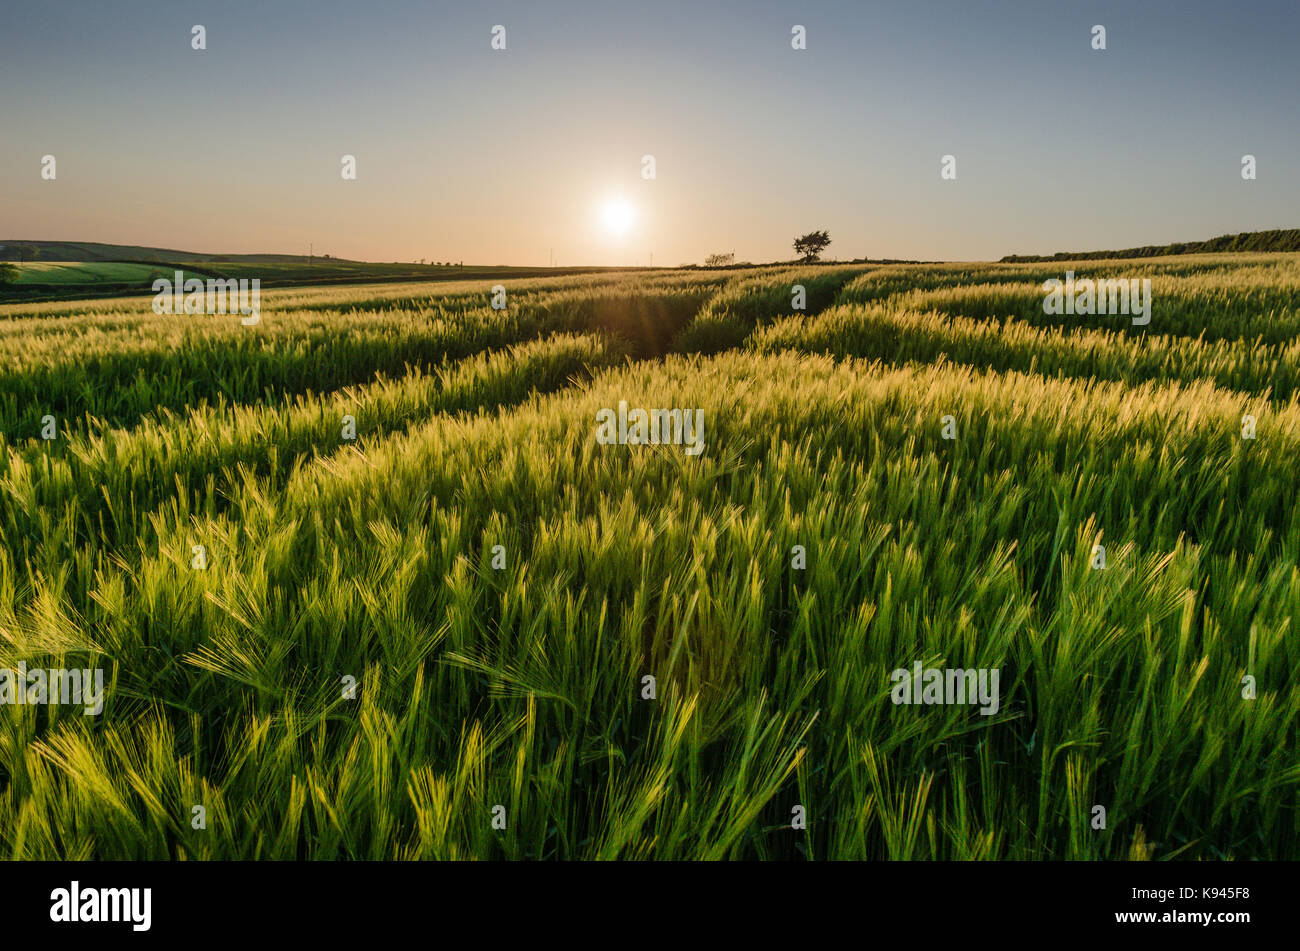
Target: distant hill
{"type": "Point", "coordinates": [83, 251]}
{"type": "Point", "coordinates": [80, 269]}
{"type": "Point", "coordinates": [1288, 240]}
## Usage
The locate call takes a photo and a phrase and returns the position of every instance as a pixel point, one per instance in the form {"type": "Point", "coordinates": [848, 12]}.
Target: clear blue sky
{"type": "Point", "coordinates": [508, 157]}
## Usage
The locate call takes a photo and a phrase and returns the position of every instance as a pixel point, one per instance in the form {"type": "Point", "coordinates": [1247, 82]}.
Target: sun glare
{"type": "Point", "coordinates": [618, 216]}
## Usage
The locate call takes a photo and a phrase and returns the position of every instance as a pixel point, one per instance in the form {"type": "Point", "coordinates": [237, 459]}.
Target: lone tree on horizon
{"type": "Point", "coordinates": [812, 245]}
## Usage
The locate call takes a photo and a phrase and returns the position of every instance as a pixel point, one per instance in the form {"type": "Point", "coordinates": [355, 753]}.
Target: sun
{"type": "Point", "coordinates": [618, 216]}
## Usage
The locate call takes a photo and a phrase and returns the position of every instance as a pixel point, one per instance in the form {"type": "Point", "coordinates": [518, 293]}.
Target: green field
{"type": "Point", "coordinates": [64, 270]}
{"type": "Point", "coordinates": [90, 272]}
{"type": "Point", "coordinates": [828, 534]}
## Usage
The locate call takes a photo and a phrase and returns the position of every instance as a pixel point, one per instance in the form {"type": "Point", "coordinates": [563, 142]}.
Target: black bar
{"type": "Point", "coordinates": [649, 902]}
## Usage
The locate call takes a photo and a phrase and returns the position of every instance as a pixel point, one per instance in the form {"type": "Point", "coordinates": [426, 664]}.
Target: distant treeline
{"type": "Point", "coordinates": [1281, 240]}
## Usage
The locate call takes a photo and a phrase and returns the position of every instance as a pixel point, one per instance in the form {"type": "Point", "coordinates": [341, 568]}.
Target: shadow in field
{"type": "Point", "coordinates": [645, 323]}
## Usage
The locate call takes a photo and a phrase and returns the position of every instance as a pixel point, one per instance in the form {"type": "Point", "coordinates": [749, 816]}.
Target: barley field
{"type": "Point", "coordinates": [426, 633]}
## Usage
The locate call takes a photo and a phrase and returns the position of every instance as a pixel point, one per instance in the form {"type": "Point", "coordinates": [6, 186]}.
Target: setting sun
{"type": "Point", "coordinates": [618, 216]}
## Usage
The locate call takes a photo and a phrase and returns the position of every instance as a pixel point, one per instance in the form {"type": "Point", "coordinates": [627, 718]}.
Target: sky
{"type": "Point", "coordinates": [519, 156]}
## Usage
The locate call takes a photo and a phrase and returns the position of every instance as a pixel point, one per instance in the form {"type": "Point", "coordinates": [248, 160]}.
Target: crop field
{"type": "Point", "coordinates": [364, 581]}
{"type": "Point", "coordinates": [82, 280]}
{"type": "Point", "coordinates": [89, 272]}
